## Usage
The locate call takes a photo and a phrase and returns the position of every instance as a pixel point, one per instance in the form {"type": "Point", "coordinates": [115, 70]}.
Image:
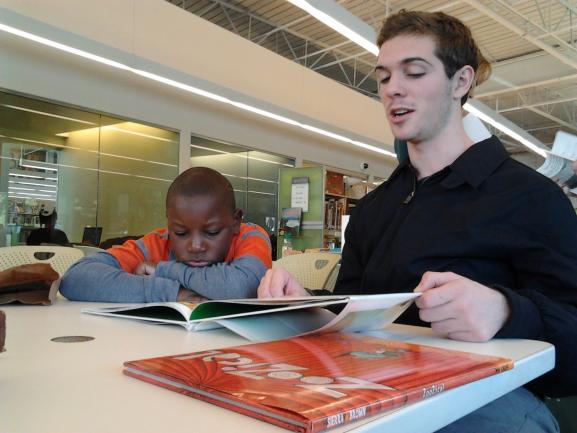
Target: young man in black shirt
{"type": "Point", "coordinates": [489, 242]}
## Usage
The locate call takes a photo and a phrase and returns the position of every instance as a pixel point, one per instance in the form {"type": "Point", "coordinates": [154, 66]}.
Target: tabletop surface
{"type": "Point", "coordinates": [48, 386]}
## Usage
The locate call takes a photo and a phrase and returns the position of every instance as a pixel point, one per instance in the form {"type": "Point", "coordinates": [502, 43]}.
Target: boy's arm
{"type": "Point", "coordinates": [234, 280]}
{"type": "Point", "coordinates": [99, 278]}
{"type": "Point", "coordinates": [238, 278]}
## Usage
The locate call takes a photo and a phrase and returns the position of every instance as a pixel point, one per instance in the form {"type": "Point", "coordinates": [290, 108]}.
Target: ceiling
{"type": "Point", "coordinates": [531, 44]}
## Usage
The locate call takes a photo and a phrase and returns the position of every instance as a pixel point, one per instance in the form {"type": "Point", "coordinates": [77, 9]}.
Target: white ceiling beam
{"type": "Point", "coordinates": [542, 83]}
{"type": "Point", "coordinates": [553, 118]}
{"type": "Point", "coordinates": [504, 21]}
{"type": "Point", "coordinates": [538, 104]}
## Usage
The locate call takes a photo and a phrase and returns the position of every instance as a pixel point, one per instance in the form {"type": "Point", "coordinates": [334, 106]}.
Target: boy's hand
{"type": "Point", "coordinates": [278, 282]}
{"type": "Point", "coordinates": [185, 295]}
{"type": "Point", "coordinates": [145, 268]}
{"type": "Point", "coordinates": [460, 308]}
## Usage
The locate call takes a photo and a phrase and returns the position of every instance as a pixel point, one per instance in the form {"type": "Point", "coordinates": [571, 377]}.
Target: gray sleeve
{"type": "Point", "coordinates": [99, 278]}
{"type": "Point", "coordinates": [237, 279]}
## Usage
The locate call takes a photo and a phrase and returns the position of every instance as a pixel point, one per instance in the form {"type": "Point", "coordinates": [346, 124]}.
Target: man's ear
{"type": "Point", "coordinates": [463, 80]}
{"type": "Point", "coordinates": [237, 217]}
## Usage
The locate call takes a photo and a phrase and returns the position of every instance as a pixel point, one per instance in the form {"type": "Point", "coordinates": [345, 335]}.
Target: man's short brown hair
{"type": "Point", "coordinates": [455, 44]}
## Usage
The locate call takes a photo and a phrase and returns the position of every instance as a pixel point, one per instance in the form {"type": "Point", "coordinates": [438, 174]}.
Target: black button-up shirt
{"type": "Point", "coordinates": [485, 217]}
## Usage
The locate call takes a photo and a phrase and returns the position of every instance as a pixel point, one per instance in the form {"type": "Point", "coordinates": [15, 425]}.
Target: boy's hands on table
{"type": "Point", "coordinates": [145, 268]}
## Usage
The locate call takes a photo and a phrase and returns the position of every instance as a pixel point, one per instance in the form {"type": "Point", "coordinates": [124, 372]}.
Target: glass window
{"type": "Point", "coordinates": [93, 170]}
{"type": "Point", "coordinates": [253, 175]}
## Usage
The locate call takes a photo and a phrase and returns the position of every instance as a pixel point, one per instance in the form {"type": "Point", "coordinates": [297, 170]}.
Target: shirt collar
{"type": "Point", "coordinates": [476, 164]}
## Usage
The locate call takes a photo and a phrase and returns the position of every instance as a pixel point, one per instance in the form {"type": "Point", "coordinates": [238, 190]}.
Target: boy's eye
{"type": "Point", "coordinates": [180, 234]}
{"type": "Point", "coordinates": [415, 74]}
{"type": "Point", "coordinates": [212, 232]}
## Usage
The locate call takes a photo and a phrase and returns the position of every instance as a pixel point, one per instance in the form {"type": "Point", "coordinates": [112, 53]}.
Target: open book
{"type": "Point", "coordinates": [557, 165]}
{"type": "Point", "coordinates": [313, 383]}
{"type": "Point", "coordinates": [271, 319]}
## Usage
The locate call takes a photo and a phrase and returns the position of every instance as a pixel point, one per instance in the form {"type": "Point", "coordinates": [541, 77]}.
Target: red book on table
{"type": "Point", "coordinates": [314, 383]}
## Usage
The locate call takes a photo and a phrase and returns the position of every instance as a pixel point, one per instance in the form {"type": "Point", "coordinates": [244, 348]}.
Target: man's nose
{"type": "Point", "coordinates": [394, 87]}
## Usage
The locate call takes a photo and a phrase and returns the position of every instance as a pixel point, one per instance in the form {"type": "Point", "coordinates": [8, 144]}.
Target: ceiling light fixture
{"type": "Point", "coordinates": [240, 155]}
{"type": "Point", "coordinates": [28, 110]}
{"type": "Point", "coordinates": [44, 185]}
{"type": "Point", "coordinates": [188, 88]}
{"type": "Point", "coordinates": [140, 134]}
{"type": "Point", "coordinates": [333, 22]}
{"type": "Point", "coordinates": [38, 165]}
{"type": "Point", "coordinates": [504, 128]}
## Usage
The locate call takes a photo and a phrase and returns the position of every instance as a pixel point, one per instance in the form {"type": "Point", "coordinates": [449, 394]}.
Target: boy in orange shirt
{"type": "Point", "coordinates": [205, 251]}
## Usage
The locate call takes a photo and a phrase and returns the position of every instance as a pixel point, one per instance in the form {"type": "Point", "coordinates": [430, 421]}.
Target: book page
{"type": "Point", "coordinates": [161, 312]}
{"type": "Point", "coordinates": [370, 312]}
{"type": "Point", "coordinates": [555, 166]}
{"type": "Point", "coordinates": [280, 325]}
{"type": "Point", "coordinates": [565, 146]}
{"type": "Point", "coordinates": [361, 313]}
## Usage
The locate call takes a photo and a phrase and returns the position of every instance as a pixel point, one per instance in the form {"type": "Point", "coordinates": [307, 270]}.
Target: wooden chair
{"type": "Point", "coordinates": [311, 270]}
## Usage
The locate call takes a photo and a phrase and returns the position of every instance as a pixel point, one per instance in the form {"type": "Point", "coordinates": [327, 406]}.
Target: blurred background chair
{"type": "Point", "coordinates": [311, 270]}
{"type": "Point", "coordinates": [60, 258]}
{"type": "Point", "coordinates": [332, 279]}
{"type": "Point", "coordinates": [108, 243]}
{"type": "Point", "coordinates": [87, 249]}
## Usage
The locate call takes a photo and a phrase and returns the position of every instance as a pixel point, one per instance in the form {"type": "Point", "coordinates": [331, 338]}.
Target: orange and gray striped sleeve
{"type": "Point", "coordinates": [248, 258]}
{"type": "Point", "coordinates": [152, 247]}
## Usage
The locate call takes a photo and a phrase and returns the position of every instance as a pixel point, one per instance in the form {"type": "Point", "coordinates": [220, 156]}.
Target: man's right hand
{"type": "Point", "coordinates": [278, 282]}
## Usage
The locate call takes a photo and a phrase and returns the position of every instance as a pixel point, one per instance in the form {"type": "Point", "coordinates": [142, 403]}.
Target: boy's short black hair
{"type": "Point", "coordinates": [202, 181]}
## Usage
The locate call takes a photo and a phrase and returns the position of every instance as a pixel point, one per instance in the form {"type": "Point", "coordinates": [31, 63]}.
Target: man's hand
{"type": "Point", "coordinates": [145, 268]}
{"type": "Point", "coordinates": [278, 282]}
{"type": "Point", "coordinates": [460, 308]}
{"type": "Point", "coordinates": [185, 295]}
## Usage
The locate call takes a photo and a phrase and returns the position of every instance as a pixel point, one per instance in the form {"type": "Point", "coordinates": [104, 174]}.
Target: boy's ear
{"type": "Point", "coordinates": [237, 217]}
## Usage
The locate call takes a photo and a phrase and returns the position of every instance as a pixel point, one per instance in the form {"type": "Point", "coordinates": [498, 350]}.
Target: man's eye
{"type": "Point", "coordinates": [384, 80]}
{"type": "Point", "coordinates": [416, 74]}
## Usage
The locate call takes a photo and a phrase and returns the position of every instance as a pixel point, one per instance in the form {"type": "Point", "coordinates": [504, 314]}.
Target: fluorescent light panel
{"type": "Point", "coordinates": [28, 110]}
{"type": "Point", "coordinates": [337, 25]}
{"type": "Point", "coordinates": [191, 89]}
{"type": "Point", "coordinates": [140, 134]}
{"type": "Point", "coordinates": [239, 155]}
{"type": "Point", "coordinates": [43, 185]}
{"type": "Point", "coordinates": [39, 165]}
{"type": "Point", "coordinates": [505, 129]}
{"type": "Point", "coordinates": [31, 198]}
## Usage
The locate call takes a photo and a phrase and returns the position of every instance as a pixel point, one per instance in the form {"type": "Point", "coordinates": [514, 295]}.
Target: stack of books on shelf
{"type": "Point", "coordinates": [334, 210]}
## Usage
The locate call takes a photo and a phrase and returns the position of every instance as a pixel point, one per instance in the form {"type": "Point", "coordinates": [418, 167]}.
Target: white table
{"type": "Point", "coordinates": [79, 387]}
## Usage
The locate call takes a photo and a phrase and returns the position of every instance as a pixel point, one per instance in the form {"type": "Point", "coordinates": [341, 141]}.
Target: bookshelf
{"type": "Point", "coordinates": [341, 195]}
{"type": "Point", "coordinates": [330, 196]}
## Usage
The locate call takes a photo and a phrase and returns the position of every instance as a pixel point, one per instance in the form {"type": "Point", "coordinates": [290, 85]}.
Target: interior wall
{"type": "Point", "coordinates": [227, 64]}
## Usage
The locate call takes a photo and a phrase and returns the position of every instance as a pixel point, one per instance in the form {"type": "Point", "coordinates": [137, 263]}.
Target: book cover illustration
{"type": "Point", "coordinates": [335, 183]}
{"type": "Point", "coordinates": [310, 384]}
{"type": "Point", "coordinates": [291, 221]}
